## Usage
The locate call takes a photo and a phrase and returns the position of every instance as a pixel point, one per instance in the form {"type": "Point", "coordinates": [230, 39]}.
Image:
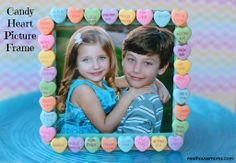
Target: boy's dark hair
{"type": "Point", "coordinates": [150, 40]}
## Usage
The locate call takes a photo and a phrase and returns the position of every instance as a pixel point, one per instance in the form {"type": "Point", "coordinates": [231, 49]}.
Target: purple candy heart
{"type": "Point", "coordinates": [75, 144]}
{"type": "Point", "coordinates": [175, 142]}
{"type": "Point", "coordinates": [48, 73]}
{"type": "Point", "coordinates": [182, 51]}
{"type": "Point", "coordinates": [109, 15]}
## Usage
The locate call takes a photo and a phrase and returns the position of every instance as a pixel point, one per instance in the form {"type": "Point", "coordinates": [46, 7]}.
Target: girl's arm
{"type": "Point", "coordinates": [162, 91]}
{"type": "Point", "coordinates": [85, 97]}
{"type": "Point", "coordinates": [121, 82]}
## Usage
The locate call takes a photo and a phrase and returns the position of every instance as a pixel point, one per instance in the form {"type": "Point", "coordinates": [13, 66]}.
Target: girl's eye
{"type": "Point", "coordinates": [85, 60]}
{"type": "Point", "coordinates": [103, 57]}
{"type": "Point", "coordinates": [148, 63]}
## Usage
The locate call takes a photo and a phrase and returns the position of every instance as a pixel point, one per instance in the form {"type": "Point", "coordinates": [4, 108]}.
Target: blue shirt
{"type": "Point", "coordinates": [74, 119]}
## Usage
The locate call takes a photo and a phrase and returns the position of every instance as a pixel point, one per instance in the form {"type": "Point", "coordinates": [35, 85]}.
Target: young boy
{"type": "Point", "coordinates": [146, 53]}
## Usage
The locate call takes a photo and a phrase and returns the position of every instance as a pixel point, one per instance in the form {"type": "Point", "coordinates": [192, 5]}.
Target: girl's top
{"type": "Point", "coordinates": [74, 119]}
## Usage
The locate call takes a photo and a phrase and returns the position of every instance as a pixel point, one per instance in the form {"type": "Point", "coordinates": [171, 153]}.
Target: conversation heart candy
{"type": "Point", "coordinates": [92, 144]}
{"type": "Point", "coordinates": [58, 14]}
{"type": "Point", "coordinates": [181, 112]}
{"type": "Point", "coordinates": [162, 18]}
{"type": "Point", "coordinates": [48, 73]}
{"type": "Point", "coordinates": [182, 34]}
{"type": "Point", "coordinates": [142, 143]}
{"type": "Point", "coordinates": [75, 144]}
{"type": "Point", "coordinates": [45, 25]}
{"type": "Point", "coordinates": [47, 103]}
{"type": "Point", "coordinates": [109, 144]}
{"type": "Point", "coordinates": [182, 51]}
{"type": "Point", "coordinates": [180, 127]}
{"type": "Point", "coordinates": [59, 144]}
{"type": "Point", "coordinates": [175, 142]}
{"type": "Point", "coordinates": [181, 95]}
{"type": "Point", "coordinates": [46, 58]}
{"type": "Point", "coordinates": [47, 88]}
{"type": "Point", "coordinates": [159, 143]}
{"type": "Point", "coordinates": [92, 15]}
{"type": "Point", "coordinates": [75, 15]}
{"type": "Point", "coordinates": [46, 42]}
{"type": "Point", "coordinates": [48, 118]}
{"type": "Point", "coordinates": [109, 15]}
{"type": "Point", "coordinates": [125, 143]}
{"type": "Point", "coordinates": [179, 17]}
{"type": "Point", "coordinates": [182, 66]}
{"type": "Point", "coordinates": [182, 81]}
{"type": "Point", "coordinates": [126, 16]}
{"type": "Point", "coordinates": [144, 17]}
{"type": "Point", "coordinates": [47, 133]}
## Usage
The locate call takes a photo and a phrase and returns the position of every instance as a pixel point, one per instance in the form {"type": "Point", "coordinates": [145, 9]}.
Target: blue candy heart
{"type": "Point", "coordinates": [162, 18]}
{"type": "Point", "coordinates": [58, 14]}
{"type": "Point", "coordinates": [48, 118]}
{"type": "Point", "coordinates": [125, 143]}
{"type": "Point", "coordinates": [181, 95]}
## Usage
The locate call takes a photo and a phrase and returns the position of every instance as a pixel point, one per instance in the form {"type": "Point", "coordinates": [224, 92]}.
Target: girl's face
{"type": "Point", "coordinates": [93, 63]}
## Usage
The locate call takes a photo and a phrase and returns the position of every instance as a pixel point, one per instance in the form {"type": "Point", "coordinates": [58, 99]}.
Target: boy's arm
{"type": "Point", "coordinates": [121, 82]}
{"type": "Point", "coordinates": [162, 91]}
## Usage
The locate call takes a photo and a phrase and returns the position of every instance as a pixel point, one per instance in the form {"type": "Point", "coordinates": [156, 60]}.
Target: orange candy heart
{"type": "Point", "coordinates": [181, 112]}
{"type": "Point", "coordinates": [45, 26]}
{"type": "Point", "coordinates": [47, 103]}
{"type": "Point", "coordinates": [109, 144]}
{"type": "Point", "coordinates": [179, 17]}
{"type": "Point", "coordinates": [75, 14]}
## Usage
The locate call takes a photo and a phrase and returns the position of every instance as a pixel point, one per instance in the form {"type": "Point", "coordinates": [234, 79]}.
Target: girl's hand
{"type": "Point", "coordinates": [135, 92]}
{"type": "Point", "coordinates": [162, 91]}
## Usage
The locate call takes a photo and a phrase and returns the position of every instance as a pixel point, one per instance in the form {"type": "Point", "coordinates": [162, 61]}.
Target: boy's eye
{"type": "Point", "coordinates": [130, 59]}
{"type": "Point", "coordinates": [148, 63]}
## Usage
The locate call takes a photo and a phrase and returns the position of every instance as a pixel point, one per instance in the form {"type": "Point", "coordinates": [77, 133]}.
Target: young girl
{"type": "Point", "coordinates": [88, 92]}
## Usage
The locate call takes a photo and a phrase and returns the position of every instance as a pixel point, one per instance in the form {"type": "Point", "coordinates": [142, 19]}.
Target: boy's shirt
{"type": "Point", "coordinates": [144, 115]}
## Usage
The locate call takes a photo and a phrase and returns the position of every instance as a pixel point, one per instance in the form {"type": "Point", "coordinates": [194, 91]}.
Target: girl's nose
{"type": "Point", "coordinates": [96, 65]}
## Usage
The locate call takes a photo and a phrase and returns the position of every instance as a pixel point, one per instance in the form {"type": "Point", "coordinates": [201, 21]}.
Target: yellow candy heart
{"type": "Point", "coordinates": [46, 58]}
{"type": "Point", "coordinates": [182, 66]}
{"type": "Point", "coordinates": [159, 143]}
{"type": "Point", "coordinates": [59, 144]}
{"type": "Point", "coordinates": [126, 16]}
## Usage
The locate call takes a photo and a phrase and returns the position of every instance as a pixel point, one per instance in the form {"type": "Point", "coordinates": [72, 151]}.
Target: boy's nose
{"type": "Point", "coordinates": [137, 68]}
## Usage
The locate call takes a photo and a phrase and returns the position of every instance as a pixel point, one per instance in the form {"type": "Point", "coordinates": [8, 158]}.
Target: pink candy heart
{"type": "Point", "coordinates": [48, 73]}
{"type": "Point", "coordinates": [47, 133]}
{"type": "Point", "coordinates": [181, 81]}
{"type": "Point", "coordinates": [144, 17]}
{"type": "Point", "coordinates": [75, 144]}
{"type": "Point", "coordinates": [182, 51]}
{"type": "Point", "coordinates": [46, 42]}
{"type": "Point", "coordinates": [109, 15]}
{"type": "Point", "coordinates": [142, 143]}
{"type": "Point", "coordinates": [175, 142]}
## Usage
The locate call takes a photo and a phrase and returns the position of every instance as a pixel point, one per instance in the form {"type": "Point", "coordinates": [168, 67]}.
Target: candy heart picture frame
{"type": "Point", "coordinates": [56, 30]}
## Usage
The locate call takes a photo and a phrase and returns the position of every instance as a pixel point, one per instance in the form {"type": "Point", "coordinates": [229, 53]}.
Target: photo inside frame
{"type": "Point", "coordinates": [118, 32]}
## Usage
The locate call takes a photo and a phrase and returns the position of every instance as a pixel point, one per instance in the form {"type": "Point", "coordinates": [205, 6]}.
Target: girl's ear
{"type": "Point", "coordinates": [163, 69]}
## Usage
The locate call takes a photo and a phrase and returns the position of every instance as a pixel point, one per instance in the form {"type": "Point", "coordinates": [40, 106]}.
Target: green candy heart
{"type": "Point", "coordinates": [92, 15]}
{"type": "Point", "coordinates": [180, 127]}
{"type": "Point", "coordinates": [92, 144]}
{"type": "Point", "coordinates": [182, 34]}
{"type": "Point", "coordinates": [47, 88]}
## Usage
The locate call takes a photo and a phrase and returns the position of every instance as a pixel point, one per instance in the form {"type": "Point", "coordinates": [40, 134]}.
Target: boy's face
{"type": "Point", "coordinates": [141, 70]}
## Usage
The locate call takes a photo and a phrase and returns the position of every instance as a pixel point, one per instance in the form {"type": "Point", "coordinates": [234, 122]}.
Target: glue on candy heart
{"type": "Point", "coordinates": [47, 103]}
{"type": "Point", "coordinates": [182, 81]}
{"type": "Point", "coordinates": [59, 144]}
{"type": "Point", "coordinates": [181, 95]}
{"type": "Point", "coordinates": [159, 143]}
{"type": "Point", "coordinates": [48, 118]}
{"type": "Point", "coordinates": [182, 67]}
{"type": "Point", "coordinates": [125, 143]}
{"type": "Point", "coordinates": [180, 127]}
{"type": "Point", "coordinates": [58, 14]}
{"type": "Point", "coordinates": [179, 17]}
{"type": "Point", "coordinates": [75, 144]}
{"type": "Point", "coordinates": [109, 144]}
{"type": "Point", "coordinates": [175, 142]}
{"type": "Point", "coordinates": [46, 42]}
{"type": "Point", "coordinates": [181, 112]}
{"type": "Point", "coordinates": [45, 26]}
{"type": "Point", "coordinates": [92, 15]}
{"type": "Point", "coordinates": [46, 58]}
{"type": "Point", "coordinates": [144, 17]}
{"type": "Point", "coordinates": [47, 88]}
{"type": "Point", "coordinates": [142, 143]}
{"type": "Point", "coordinates": [182, 34]}
{"type": "Point", "coordinates": [47, 133]}
{"type": "Point", "coordinates": [75, 15]}
{"type": "Point", "coordinates": [182, 51]}
{"type": "Point", "coordinates": [48, 73]}
{"type": "Point", "coordinates": [109, 15]}
{"type": "Point", "coordinates": [92, 144]}
{"type": "Point", "coordinates": [126, 16]}
{"type": "Point", "coordinates": [162, 18]}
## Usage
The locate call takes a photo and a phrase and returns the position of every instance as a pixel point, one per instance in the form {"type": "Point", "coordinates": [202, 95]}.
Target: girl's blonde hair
{"type": "Point", "coordinates": [89, 35]}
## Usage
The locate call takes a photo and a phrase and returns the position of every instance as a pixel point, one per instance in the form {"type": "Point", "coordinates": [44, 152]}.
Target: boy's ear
{"type": "Point", "coordinates": [163, 69]}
